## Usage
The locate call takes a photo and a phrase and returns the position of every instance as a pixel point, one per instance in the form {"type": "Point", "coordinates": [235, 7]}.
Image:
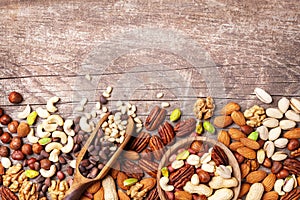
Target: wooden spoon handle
{"type": "Point", "coordinates": [76, 191]}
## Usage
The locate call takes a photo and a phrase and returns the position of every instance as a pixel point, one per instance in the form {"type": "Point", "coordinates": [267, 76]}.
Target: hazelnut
{"type": "Point", "coordinates": [15, 143]}
{"type": "Point", "coordinates": [5, 137]}
{"type": "Point", "coordinates": [277, 166]}
{"type": "Point", "coordinates": [37, 148]}
{"type": "Point", "coordinates": [17, 155]}
{"type": "Point", "coordinates": [31, 161]}
{"type": "Point", "coordinates": [23, 129]}
{"type": "Point", "coordinates": [283, 174]}
{"type": "Point", "coordinates": [27, 149]}
{"type": "Point", "coordinates": [45, 164]}
{"type": "Point", "coordinates": [4, 151]}
{"type": "Point", "coordinates": [196, 146]}
{"type": "Point", "coordinates": [15, 97]}
{"type": "Point", "coordinates": [247, 129]}
{"type": "Point", "coordinates": [204, 176]}
{"type": "Point", "coordinates": [293, 144]}
{"type": "Point", "coordinates": [239, 157]}
{"type": "Point", "coordinates": [60, 175]}
{"type": "Point", "coordinates": [5, 119]}
{"type": "Point", "coordinates": [12, 126]}
{"type": "Point", "coordinates": [1, 112]}
{"type": "Point", "coordinates": [267, 163]}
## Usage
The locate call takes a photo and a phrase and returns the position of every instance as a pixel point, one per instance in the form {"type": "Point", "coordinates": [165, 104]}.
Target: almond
{"type": "Point", "coordinates": [292, 134]}
{"type": "Point", "coordinates": [270, 196]}
{"type": "Point", "coordinates": [245, 169]}
{"type": "Point", "coordinates": [247, 152]}
{"type": "Point", "coordinates": [256, 176]}
{"type": "Point", "coordinates": [94, 187]}
{"type": "Point", "coordinates": [100, 194]}
{"type": "Point", "coordinates": [224, 138]}
{"type": "Point", "coordinates": [244, 189]}
{"type": "Point", "coordinates": [238, 118]}
{"type": "Point", "coordinates": [183, 195]}
{"type": "Point", "coordinates": [250, 143]}
{"type": "Point", "coordinates": [122, 195]}
{"type": "Point", "coordinates": [148, 183]}
{"type": "Point", "coordinates": [269, 182]}
{"type": "Point", "coordinates": [229, 108]}
{"type": "Point", "coordinates": [236, 134]}
{"type": "Point", "coordinates": [222, 121]}
{"type": "Point", "coordinates": [131, 155]}
{"type": "Point", "coordinates": [120, 180]}
{"type": "Point", "coordinates": [235, 145]}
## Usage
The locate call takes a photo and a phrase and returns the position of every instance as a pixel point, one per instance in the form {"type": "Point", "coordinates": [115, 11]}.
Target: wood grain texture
{"type": "Point", "coordinates": [45, 44]}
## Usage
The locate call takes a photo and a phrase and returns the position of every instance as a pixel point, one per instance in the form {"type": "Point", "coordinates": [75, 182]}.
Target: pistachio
{"type": "Point", "coordinates": [263, 132]}
{"type": "Point", "coordinates": [165, 172]}
{"type": "Point", "coordinates": [199, 128]}
{"type": "Point", "coordinates": [287, 124]}
{"type": "Point", "coordinates": [183, 155]}
{"type": "Point", "coordinates": [274, 133]}
{"type": "Point", "coordinates": [31, 118]}
{"type": "Point", "coordinates": [262, 95]}
{"type": "Point", "coordinates": [208, 127]}
{"type": "Point", "coordinates": [292, 115]}
{"type": "Point", "coordinates": [279, 156]}
{"type": "Point", "coordinates": [295, 104]}
{"type": "Point", "coordinates": [283, 104]}
{"type": "Point", "coordinates": [31, 173]}
{"type": "Point", "coordinates": [270, 122]}
{"type": "Point", "coordinates": [260, 156]}
{"type": "Point", "coordinates": [274, 113]}
{"type": "Point", "coordinates": [44, 141]}
{"type": "Point", "coordinates": [253, 135]}
{"type": "Point", "coordinates": [269, 147]}
{"type": "Point", "coordinates": [175, 115]}
{"type": "Point", "coordinates": [281, 143]}
{"type": "Point", "coordinates": [288, 184]}
{"type": "Point", "coordinates": [130, 181]}
{"type": "Point", "coordinates": [176, 164]}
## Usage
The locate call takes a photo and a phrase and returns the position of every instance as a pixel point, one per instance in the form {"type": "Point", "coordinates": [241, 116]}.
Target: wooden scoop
{"type": "Point", "coordinates": [80, 183]}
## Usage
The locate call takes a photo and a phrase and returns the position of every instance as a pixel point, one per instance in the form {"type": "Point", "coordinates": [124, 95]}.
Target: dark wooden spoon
{"type": "Point", "coordinates": [81, 183]}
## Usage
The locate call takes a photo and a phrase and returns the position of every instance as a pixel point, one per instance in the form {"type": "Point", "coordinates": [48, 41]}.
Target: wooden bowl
{"type": "Point", "coordinates": [185, 143]}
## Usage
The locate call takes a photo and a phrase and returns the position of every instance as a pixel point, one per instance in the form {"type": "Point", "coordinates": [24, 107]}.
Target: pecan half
{"type": "Point", "coordinates": [155, 118]}
{"type": "Point", "coordinates": [149, 167]}
{"type": "Point", "coordinates": [166, 133]}
{"type": "Point", "coordinates": [157, 147]}
{"type": "Point", "coordinates": [185, 127]}
{"type": "Point", "coordinates": [181, 176]}
{"type": "Point", "coordinates": [132, 170]}
{"type": "Point", "coordinates": [292, 195]}
{"type": "Point", "coordinates": [140, 142]}
{"type": "Point", "coordinates": [219, 156]}
{"type": "Point", "coordinates": [292, 165]}
{"type": "Point", "coordinates": [295, 153]}
{"type": "Point", "coordinates": [7, 194]}
{"type": "Point", "coordinates": [153, 195]}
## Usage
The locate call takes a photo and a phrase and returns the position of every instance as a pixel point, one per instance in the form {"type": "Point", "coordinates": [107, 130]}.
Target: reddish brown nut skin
{"type": "Point", "coordinates": [267, 163]}
{"type": "Point", "coordinates": [5, 119]}
{"type": "Point", "coordinates": [12, 126]}
{"type": "Point", "coordinates": [15, 97]}
{"type": "Point", "coordinates": [261, 143]}
{"type": "Point", "coordinates": [15, 143]}
{"type": "Point", "coordinates": [239, 157]}
{"type": "Point", "coordinates": [60, 175]}
{"type": "Point", "coordinates": [4, 151]}
{"type": "Point", "coordinates": [247, 129]}
{"type": "Point", "coordinates": [17, 155]}
{"type": "Point", "coordinates": [204, 177]}
{"type": "Point", "coordinates": [31, 161]}
{"type": "Point", "coordinates": [293, 144]}
{"type": "Point", "coordinates": [37, 148]}
{"type": "Point", "coordinates": [45, 164]}
{"type": "Point", "coordinates": [27, 149]}
{"type": "Point", "coordinates": [1, 112]}
{"type": "Point", "coordinates": [277, 166]}
{"type": "Point", "coordinates": [283, 174]}
{"type": "Point", "coordinates": [5, 137]}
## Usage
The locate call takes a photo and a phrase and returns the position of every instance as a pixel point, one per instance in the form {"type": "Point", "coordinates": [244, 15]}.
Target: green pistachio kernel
{"type": "Point", "coordinates": [183, 155]}
{"type": "Point", "coordinates": [165, 172]}
{"type": "Point", "coordinates": [130, 181]}
{"type": "Point", "coordinates": [175, 115]}
{"type": "Point", "coordinates": [31, 173]}
{"type": "Point", "coordinates": [208, 127]}
{"type": "Point", "coordinates": [253, 135]}
{"type": "Point", "coordinates": [44, 141]}
{"type": "Point", "coordinates": [31, 118]}
{"type": "Point", "coordinates": [199, 128]}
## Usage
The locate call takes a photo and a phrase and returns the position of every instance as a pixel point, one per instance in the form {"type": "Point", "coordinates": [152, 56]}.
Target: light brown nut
{"type": "Point", "coordinates": [94, 187]}
{"type": "Point", "coordinates": [236, 134]}
{"type": "Point", "coordinates": [270, 196]}
{"type": "Point", "coordinates": [256, 191]}
{"type": "Point", "coordinates": [245, 169]}
{"type": "Point", "coordinates": [244, 189]}
{"type": "Point", "coordinates": [247, 152]}
{"type": "Point", "coordinates": [122, 195]}
{"type": "Point", "coordinates": [131, 155]}
{"type": "Point", "coordinates": [222, 121]}
{"type": "Point", "coordinates": [120, 180]}
{"type": "Point", "coordinates": [229, 108]}
{"type": "Point", "coordinates": [148, 183]}
{"type": "Point", "coordinates": [100, 194]}
{"type": "Point", "coordinates": [292, 134]}
{"type": "Point", "coordinates": [183, 195]}
{"type": "Point", "coordinates": [238, 118]}
{"type": "Point", "coordinates": [224, 137]}
{"type": "Point", "coordinates": [269, 182]}
{"type": "Point", "coordinates": [256, 176]}
{"type": "Point", "coordinates": [235, 145]}
{"type": "Point", "coordinates": [250, 143]}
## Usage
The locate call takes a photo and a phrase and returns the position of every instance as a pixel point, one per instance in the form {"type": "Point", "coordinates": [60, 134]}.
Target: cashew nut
{"type": "Point", "coordinates": [278, 186]}
{"type": "Point", "coordinates": [53, 145]}
{"type": "Point", "coordinates": [50, 107]}
{"type": "Point", "coordinates": [193, 160]}
{"type": "Point", "coordinates": [84, 125]}
{"type": "Point", "coordinates": [69, 146]}
{"type": "Point", "coordinates": [61, 135]}
{"type": "Point", "coordinates": [163, 182]}
{"type": "Point", "coordinates": [208, 168]}
{"type": "Point", "coordinates": [31, 138]}
{"type": "Point", "coordinates": [48, 173]}
{"type": "Point", "coordinates": [199, 189]}
{"type": "Point", "coordinates": [195, 179]}
{"type": "Point", "coordinates": [24, 114]}
{"type": "Point", "coordinates": [40, 133]}
{"type": "Point", "coordinates": [42, 113]}
{"type": "Point", "coordinates": [176, 164]}
{"type": "Point", "coordinates": [222, 194]}
{"type": "Point", "coordinates": [218, 182]}
{"type": "Point", "coordinates": [53, 157]}
{"type": "Point", "coordinates": [205, 158]}
{"type": "Point", "coordinates": [256, 192]}
{"type": "Point", "coordinates": [55, 119]}
{"type": "Point", "coordinates": [67, 127]}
